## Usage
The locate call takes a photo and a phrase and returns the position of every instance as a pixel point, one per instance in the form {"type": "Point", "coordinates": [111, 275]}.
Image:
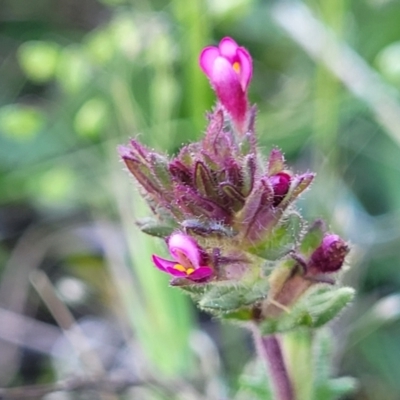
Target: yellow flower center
{"type": "Point", "coordinates": [236, 67]}
{"type": "Point", "coordinates": [181, 268]}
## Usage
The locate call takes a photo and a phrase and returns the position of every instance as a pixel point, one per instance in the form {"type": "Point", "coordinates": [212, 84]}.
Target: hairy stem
{"type": "Point", "coordinates": [270, 351]}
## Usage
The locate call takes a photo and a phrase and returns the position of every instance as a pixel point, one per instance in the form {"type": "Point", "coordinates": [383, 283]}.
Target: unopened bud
{"type": "Point", "coordinates": [329, 256]}
{"type": "Point", "coordinates": [280, 184]}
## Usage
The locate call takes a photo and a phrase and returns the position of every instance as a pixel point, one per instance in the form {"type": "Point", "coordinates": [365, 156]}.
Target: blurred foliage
{"type": "Point", "coordinates": [80, 77]}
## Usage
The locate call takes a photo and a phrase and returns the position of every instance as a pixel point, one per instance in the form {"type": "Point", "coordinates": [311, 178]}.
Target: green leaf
{"type": "Point", "coordinates": [254, 383]}
{"type": "Point", "coordinates": [73, 70]}
{"type": "Point", "coordinates": [388, 62]}
{"type": "Point", "coordinates": [324, 387]}
{"type": "Point", "coordinates": [153, 227]}
{"type": "Point", "coordinates": [91, 117]}
{"type": "Point", "coordinates": [241, 315]}
{"type": "Point", "coordinates": [282, 239]}
{"type": "Point", "coordinates": [322, 354]}
{"type": "Point", "coordinates": [324, 305]}
{"type": "Point", "coordinates": [232, 297]}
{"type": "Point", "coordinates": [99, 46]}
{"type": "Point", "coordinates": [296, 318]}
{"type": "Point", "coordinates": [313, 310]}
{"type": "Point", "coordinates": [21, 122]}
{"type": "Point", "coordinates": [38, 60]}
{"type": "Point", "coordinates": [196, 291]}
{"type": "Point", "coordinates": [313, 238]}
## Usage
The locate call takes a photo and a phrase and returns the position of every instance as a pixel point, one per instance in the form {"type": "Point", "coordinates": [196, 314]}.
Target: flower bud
{"type": "Point", "coordinates": [280, 184]}
{"type": "Point", "coordinates": [329, 256]}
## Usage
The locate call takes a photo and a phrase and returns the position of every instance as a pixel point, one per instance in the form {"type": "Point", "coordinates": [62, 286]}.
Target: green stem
{"type": "Point", "coordinates": [297, 348]}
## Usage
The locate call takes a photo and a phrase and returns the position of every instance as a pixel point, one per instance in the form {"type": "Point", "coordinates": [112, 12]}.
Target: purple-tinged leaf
{"type": "Point", "coordinates": [276, 162]}
{"type": "Point", "coordinates": [181, 174]}
{"type": "Point", "coordinates": [204, 181]}
{"type": "Point", "coordinates": [143, 175]}
{"type": "Point", "coordinates": [248, 173]}
{"type": "Point", "coordinates": [196, 206]}
{"type": "Point", "coordinates": [159, 166]}
{"type": "Point", "coordinates": [236, 199]}
{"type": "Point", "coordinates": [258, 214]}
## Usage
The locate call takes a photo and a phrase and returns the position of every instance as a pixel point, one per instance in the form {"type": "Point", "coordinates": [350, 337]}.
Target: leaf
{"type": "Point", "coordinates": [313, 238]}
{"type": "Point", "coordinates": [324, 387]}
{"type": "Point", "coordinates": [38, 60]}
{"type": "Point", "coordinates": [254, 383]}
{"type": "Point", "coordinates": [248, 172]}
{"type": "Point", "coordinates": [313, 310]}
{"type": "Point", "coordinates": [276, 162]}
{"type": "Point", "coordinates": [244, 314]}
{"type": "Point", "coordinates": [153, 227]}
{"type": "Point", "coordinates": [229, 298]}
{"type": "Point", "coordinates": [342, 386]}
{"type": "Point", "coordinates": [20, 122]}
{"type": "Point", "coordinates": [195, 291]}
{"type": "Point", "coordinates": [326, 305]}
{"type": "Point", "coordinates": [159, 165]}
{"type": "Point", "coordinates": [282, 239]}
{"type": "Point", "coordinates": [204, 181]}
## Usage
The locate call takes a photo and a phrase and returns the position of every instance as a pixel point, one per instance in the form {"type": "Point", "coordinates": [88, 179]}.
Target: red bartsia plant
{"type": "Point", "coordinates": [238, 244]}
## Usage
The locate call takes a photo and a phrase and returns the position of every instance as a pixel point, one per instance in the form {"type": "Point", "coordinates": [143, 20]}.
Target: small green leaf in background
{"type": "Point", "coordinates": [55, 186]}
{"type": "Point", "coordinates": [91, 118]}
{"type": "Point", "coordinates": [73, 70]}
{"type": "Point", "coordinates": [388, 62]}
{"type": "Point", "coordinates": [126, 35]}
{"type": "Point", "coordinates": [99, 46]}
{"type": "Point", "coordinates": [38, 60]}
{"type": "Point", "coordinates": [21, 122]}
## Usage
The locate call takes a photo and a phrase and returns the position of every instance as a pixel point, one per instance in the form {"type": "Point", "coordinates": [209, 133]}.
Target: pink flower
{"type": "Point", "coordinates": [229, 68]}
{"type": "Point", "coordinates": [188, 256]}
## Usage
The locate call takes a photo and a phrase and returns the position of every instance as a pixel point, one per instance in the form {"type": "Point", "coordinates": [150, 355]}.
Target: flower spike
{"type": "Point", "coordinates": [237, 243]}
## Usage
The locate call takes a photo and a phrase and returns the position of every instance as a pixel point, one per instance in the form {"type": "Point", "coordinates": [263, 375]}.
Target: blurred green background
{"type": "Point", "coordinates": [78, 293]}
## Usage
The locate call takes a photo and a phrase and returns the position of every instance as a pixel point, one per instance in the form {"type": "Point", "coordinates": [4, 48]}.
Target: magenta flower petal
{"type": "Point", "coordinates": [228, 47]}
{"type": "Point", "coordinates": [229, 69]}
{"type": "Point", "coordinates": [163, 264]}
{"type": "Point", "coordinates": [188, 256]}
{"type": "Point", "coordinates": [246, 67]}
{"type": "Point", "coordinates": [223, 73]}
{"type": "Point", "coordinates": [200, 273]}
{"type": "Point", "coordinates": [176, 272]}
{"type": "Point", "coordinates": [229, 90]}
{"type": "Point", "coordinates": [124, 152]}
{"type": "Point", "coordinates": [207, 58]}
{"type": "Point", "coordinates": [180, 243]}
